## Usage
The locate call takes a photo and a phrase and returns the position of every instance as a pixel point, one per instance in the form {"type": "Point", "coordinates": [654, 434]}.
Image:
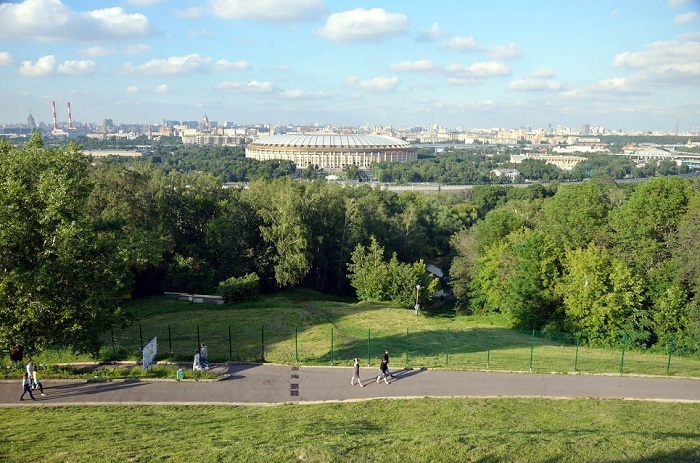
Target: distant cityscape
{"type": "Point", "coordinates": [208, 132]}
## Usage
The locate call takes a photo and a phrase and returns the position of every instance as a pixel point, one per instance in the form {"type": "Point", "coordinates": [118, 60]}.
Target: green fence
{"type": "Point", "coordinates": [474, 349]}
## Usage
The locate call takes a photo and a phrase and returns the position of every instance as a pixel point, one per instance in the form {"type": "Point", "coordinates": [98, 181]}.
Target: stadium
{"type": "Point", "coordinates": [331, 151]}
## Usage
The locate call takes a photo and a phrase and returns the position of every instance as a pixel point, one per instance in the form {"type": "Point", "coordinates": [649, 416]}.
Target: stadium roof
{"type": "Point", "coordinates": [332, 140]}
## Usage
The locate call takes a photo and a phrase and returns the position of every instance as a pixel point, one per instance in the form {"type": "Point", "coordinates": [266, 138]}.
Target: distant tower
{"type": "Point", "coordinates": [55, 124]}
{"type": "Point", "coordinates": [31, 123]}
{"type": "Point", "coordinates": [70, 118]}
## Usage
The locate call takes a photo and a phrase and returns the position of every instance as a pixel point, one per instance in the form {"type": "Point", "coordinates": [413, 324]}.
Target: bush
{"type": "Point", "coordinates": [245, 288]}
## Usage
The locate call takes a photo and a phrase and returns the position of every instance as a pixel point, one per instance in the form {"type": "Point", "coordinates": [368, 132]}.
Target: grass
{"type": "Point", "coordinates": [90, 371]}
{"type": "Point", "coordinates": [305, 327]}
{"type": "Point", "coordinates": [435, 430]}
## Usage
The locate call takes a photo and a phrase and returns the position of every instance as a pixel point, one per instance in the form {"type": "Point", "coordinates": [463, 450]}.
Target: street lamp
{"type": "Point", "coordinates": [417, 306]}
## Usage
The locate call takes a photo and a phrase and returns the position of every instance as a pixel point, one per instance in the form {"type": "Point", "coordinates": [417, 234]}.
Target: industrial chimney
{"type": "Point", "coordinates": [70, 119]}
{"type": "Point", "coordinates": [55, 124]}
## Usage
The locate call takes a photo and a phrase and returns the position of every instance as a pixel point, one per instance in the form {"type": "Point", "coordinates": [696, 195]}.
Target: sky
{"type": "Point", "coordinates": [620, 64]}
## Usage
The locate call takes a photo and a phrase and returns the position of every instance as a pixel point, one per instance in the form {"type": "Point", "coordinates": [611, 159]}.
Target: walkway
{"type": "Point", "coordinates": [252, 384]}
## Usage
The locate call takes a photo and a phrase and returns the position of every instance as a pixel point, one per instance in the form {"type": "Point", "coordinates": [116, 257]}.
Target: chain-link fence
{"type": "Point", "coordinates": [474, 349]}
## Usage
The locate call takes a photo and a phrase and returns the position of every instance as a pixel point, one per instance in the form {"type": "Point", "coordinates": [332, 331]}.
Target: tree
{"type": "Point", "coordinates": [603, 298]}
{"type": "Point", "coordinates": [368, 272]}
{"type": "Point", "coordinates": [61, 277]}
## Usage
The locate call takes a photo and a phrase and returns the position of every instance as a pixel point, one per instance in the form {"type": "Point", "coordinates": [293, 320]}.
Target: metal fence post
{"type": "Point", "coordinates": [141, 337]}
{"type": "Point", "coordinates": [577, 338]}
{"type": "Point", "coordinates": [114, 350]}
{"type": "Point", "coordinates": [407, 347]}
{"type": "Point", "coordinates": [622, 360]}
{"type": "Point", "coordinates": [532, 348]}
{"type": "Point", "coordinates": [447, 350]}
{"type": "Point", "coordinates": [262, 340]}
{"type": "Point", "coordinates": [230, 344]}
{"type": "Point", "coordinates": [199, 342]}
{"type": "Point", "coordinates": [331, 346]}
{"type": "Point", "coordinates": [488, 350]}
{"type": "Point", "coordinates": [296, 344]}
{"type": "Point", "coordinates": [670, 351]}
{"type": "Point", "coordinates": [369, 337]}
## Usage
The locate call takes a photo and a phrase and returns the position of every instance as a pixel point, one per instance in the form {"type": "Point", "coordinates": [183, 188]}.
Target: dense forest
{"type": "Point", "coordinates": [596, 258]}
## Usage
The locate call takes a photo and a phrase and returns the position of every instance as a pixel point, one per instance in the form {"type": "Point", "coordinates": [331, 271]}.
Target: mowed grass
{"type": "Point", "coordinates": [304, 327]}
{"type": "Point", "coordinates": [422, 430]}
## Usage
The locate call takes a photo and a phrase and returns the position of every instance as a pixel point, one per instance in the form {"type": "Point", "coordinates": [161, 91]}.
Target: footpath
{"type": "Point", "coordinates": [255, 384]}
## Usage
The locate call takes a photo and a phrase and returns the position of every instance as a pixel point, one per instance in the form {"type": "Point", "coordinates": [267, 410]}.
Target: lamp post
{"type": "Point", "coordinates": [417, 306]}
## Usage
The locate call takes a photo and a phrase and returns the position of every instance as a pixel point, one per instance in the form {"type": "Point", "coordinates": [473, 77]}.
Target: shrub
{"type": "Point", "coordinates": [245, 288]}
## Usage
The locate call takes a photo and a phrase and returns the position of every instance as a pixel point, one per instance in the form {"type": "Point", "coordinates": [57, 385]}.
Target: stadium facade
{"type": "Point", "coordinates": [331, 151]}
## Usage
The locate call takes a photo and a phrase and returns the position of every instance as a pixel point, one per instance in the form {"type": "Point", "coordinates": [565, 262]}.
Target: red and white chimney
{"type": "Point", "coordinates": [55, 124]}
{"type": "Point", "coordinates": [70, 118]}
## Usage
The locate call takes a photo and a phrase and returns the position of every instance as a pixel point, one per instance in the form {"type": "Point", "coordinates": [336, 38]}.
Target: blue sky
{"type": "Point", "coordinates": [621, 64]}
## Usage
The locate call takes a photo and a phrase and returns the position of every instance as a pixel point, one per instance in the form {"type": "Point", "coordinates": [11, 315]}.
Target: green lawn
{"type": "Point", "coordinates": [307, 328]}
{"type": "Point", "coordinates": [422, 430]}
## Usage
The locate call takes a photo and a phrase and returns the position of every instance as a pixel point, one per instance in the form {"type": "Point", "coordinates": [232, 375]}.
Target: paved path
{"type": "Point", "coordinates": [249, 384]}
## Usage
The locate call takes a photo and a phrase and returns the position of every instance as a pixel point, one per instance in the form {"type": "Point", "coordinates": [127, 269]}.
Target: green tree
{"type": "Point", "coordinates": [368, 272]}
{"type": "Point", "coordinates": [603, 299]}
{"type": "Point", "coordinates": [62, 278]}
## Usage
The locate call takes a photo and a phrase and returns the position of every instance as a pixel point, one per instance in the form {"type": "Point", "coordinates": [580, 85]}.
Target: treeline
{"type": "Point", "coordinates": [594, 258]}
{"type": "Point", "coordinates": [614, 264]}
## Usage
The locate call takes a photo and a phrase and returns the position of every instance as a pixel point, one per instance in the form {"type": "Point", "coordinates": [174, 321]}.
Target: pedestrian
{"type": "Point", "coordinates": [26, 387]}
{"type": "Point", "coordinates": [196, 365]}
{"type": "Point", "coordinates": [37, 381]}
{"type": "Point", "coordinates": [383, 371]}
{"type": "Point", "coordinates": [204, 357]}
{"type": "Point", "coordinates": [386, 357]}
{"type": "Point", "coordinates": [356, 373]}
{"type": "Point", "coordinates": [30, 368]}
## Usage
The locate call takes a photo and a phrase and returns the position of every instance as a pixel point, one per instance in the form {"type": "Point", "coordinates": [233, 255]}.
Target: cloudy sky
{"type": "Point", "coordinates": [622, 64]}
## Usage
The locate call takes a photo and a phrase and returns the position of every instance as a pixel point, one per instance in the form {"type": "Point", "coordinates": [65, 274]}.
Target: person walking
{"type": "Point", "coordinates": [356, 373]}
{"type": "Point", "coordinates": [386, 358]}
{"type": "Point", "coordinates": [37, 381]}
{"type": "Point", "coordinates": [383, 371]}
{"type": "Point", "coordinates": [30, 368]}
{"type": "Point", "coordinates": [26, 387]}
{"type": "Point", "coordinates": [204, 357]}
{"type": "Point", "coordinates": [196, 365]}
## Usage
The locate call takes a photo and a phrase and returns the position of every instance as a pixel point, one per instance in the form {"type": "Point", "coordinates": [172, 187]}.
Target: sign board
{"type": "Point", "coordinates": [149, 352]}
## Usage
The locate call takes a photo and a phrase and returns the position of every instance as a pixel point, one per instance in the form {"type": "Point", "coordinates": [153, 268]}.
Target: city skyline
{"type": "Point", "coordinates": [619, 64]}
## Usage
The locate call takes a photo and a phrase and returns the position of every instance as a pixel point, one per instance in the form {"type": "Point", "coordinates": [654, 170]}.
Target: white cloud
{"type": "Point", "coordinates": [614, 87]}
{"type": "Point", "coordinates": [664, 62]}
{"type": "Point", "coordinates": [97, 51]}
{"type": "Point", "coordinates": [132, 89]}
{"type": "Point", "coordinates": [360, 25]}
{"type": "Point", "coordinates": [461, 44]}
{"type": "Point", "coordinates": [376, 84]}
{"type": "Point", "coordinates": [224, 65]}
{"type": "Point", "coordinates": [503, 52]}
{"type": "Point", "coordinates": [479, 70]}
{"type": "Point", "coordinates": [686, 18]}
{"type": "Point", "coordinates": [268, 10]}
{"type": "Point", "coordinates": [172, 66]}
{"type": "Point", "coordinates": [423, 65]}
{"type": "Point", "coordinates": [200, 33]}
{"type": "Point", "coordinates": [77, 68]}
{"type": "Point", "coordinates": [6, 58]}
{"type": "Point", "coordinates": [301, 94]}
{"type": "Point", "coordinates": [162, 88]}
{"type": "Point", "coordinates": [253, 87]}
{"type": "Point", "coordinates": [676, 3]}
{"type": "Point", "coordinates": [434, 32]}
{"type": "Point", "coordinates": [44, 66]}
{"type": "Point", "coordinates": [136, 48]}
{"type": "Point", "coordinates": [51, 20]}
{"type": "Point", "coordinates": [533, 84]}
